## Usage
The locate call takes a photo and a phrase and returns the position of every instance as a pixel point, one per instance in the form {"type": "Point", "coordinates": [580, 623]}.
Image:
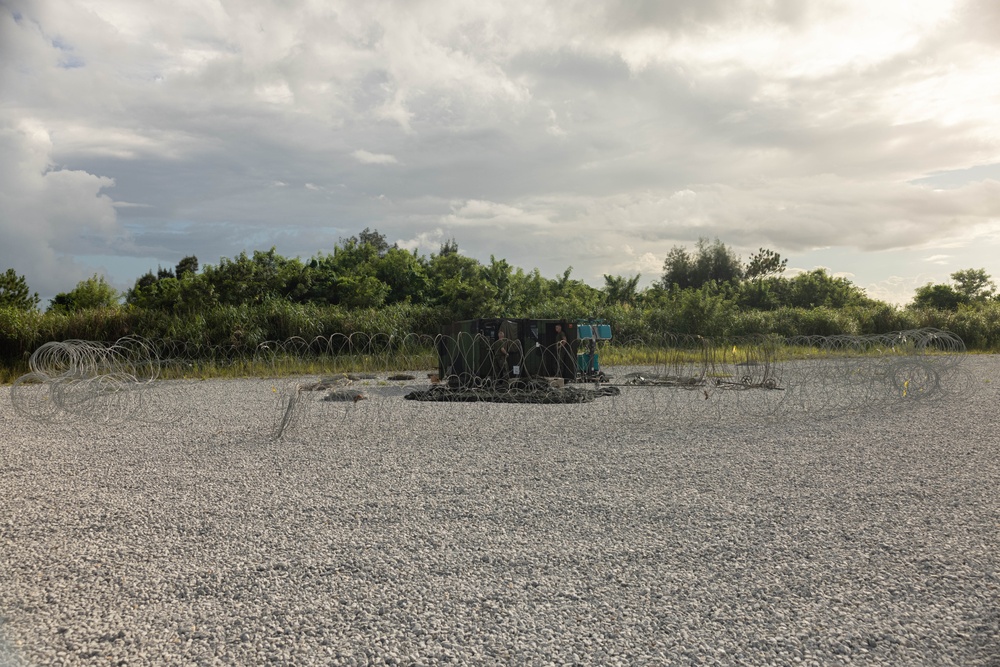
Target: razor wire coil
{"type": "Point", "coordinates": [664, 375]}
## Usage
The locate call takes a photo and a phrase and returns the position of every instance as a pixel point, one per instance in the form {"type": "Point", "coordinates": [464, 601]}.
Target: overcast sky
{"type": "Point", "coordinates": [858, 135]}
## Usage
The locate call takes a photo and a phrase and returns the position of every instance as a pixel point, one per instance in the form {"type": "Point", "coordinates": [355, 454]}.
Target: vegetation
{"type": "Point", "coordinates": [367, 285]}
{"type": "Point", "coordinates": [970, 287]}
{"type": "Point", "coordinates": [90, 294]}
{"type": "Point", "coordinates": [14, 292]}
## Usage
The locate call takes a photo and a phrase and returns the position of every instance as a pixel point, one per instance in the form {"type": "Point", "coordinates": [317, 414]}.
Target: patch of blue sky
{"type": "Point", "coordinates": [70, 62]}
{"type": "Point", "coordinates": [68, 59]}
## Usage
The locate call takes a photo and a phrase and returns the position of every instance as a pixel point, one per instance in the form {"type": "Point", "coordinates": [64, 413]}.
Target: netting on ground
{"type": "Point", "coordinates": [367, 379]}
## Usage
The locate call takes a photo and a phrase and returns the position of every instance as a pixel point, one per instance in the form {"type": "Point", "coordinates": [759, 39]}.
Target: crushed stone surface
{"type": "Point", "coordinates": [618, 532]}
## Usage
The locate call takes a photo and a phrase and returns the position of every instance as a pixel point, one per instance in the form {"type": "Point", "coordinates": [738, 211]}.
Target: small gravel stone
{"type": "Point", "coordinates": [636, 529]}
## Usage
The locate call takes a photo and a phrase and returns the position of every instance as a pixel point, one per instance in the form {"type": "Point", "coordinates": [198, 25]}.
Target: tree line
{"type": "Point", "coordinates": [707, 290]}
{"type": "Point", "coordinates": [364, 271]}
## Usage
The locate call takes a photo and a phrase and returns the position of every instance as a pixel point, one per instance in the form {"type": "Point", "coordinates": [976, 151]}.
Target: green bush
{"type": "Point", "coordinates": [880, 318]}
{"type": "Point", "coordinates": [239, 329]}
{"type": "Point", "coordinates": [790, 322]}
{"type": "Point", "coordinates": [751, 322]}
{"type": "Point", "coordinates": [978, 326]}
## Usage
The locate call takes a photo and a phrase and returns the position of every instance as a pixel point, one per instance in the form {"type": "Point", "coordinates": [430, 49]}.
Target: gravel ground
{"type": "Point", "coordinates": [631, 530]}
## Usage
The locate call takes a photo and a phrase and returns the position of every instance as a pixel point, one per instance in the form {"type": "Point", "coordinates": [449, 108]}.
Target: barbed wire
{"type": "Point", "coordinates": [666, 377]}
{"type": "Point", "coordinates": [83, 379]}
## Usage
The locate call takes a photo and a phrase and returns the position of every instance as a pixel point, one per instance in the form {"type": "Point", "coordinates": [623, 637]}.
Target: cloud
{"type": "Point", "coordinates": [898, 290]}
{"type": "Point", "coordinates": [552, 134]}
{"type": "Point", "coordinates": [49, 214]}
{"type": "Point", "coordinates": [424, 243]}
{"type": "Point", "coordinates": [364, 157]}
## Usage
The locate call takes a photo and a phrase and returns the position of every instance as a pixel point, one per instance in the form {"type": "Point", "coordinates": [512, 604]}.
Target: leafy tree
{"type": "Point", "coordinates": [293, 279]}
{"type": "Point", "coordinates": [188, 265]}
{"type": "Point", "coordinates": [448, 264]}
{"type": "Point", "coordinates": [970, 286]}
{"type": "Point", "coordinates": [449, 248]}
{"type": "Point", "coordinates": [190, 294]}
{"type": "Point", "coordinates": [818, 288]}
{"type": "Point", "coordinates": [527, 290]}
{"type": "Point", "coordinates": [144, 281]}
{"type": "Point", "coordinates": [14, 292]}
{"type": "Point", "coordinates": [405, 274]}
{"type": "Point", "coordinates": [350, 276]}
{"type": "Point", "coordinates": [572, 289]}
{"type": "Point", "coordinates": [678, 269]}
{"type": "Point", "coordinates": [235, 281]}
{"type": "Point", "coordinates": [145, 293]}
{"type": "Point", "coordinates": [939, 297]}
{"type": "Point", "coordinates": [562, 282]}
{"type": "Point", "coordinates": [763, 264]}
{"type": "Point", "coordinates": [712, 260]}
{"type": "Point", "coordinates": [707, 310]}
{"type": "Point", "coordinates": [974, 284]}
{"type": "Point", "coordinates": [457, 282]}
{"type": "Point", "coordinates": [94, 292]}
{"type": "Point", "coordinates": [566, 297]}
{"type": "Point", "coordinates": [768, 293]}
{"type": "Point", "coordinates": [621, 290]}
{"type": "Point", "coordinates": [194, 294]}
{"type": "Point", "coordinates": [373, 238]}
{"type": "Point", "coordinates": [499, 278]}
{"type": "Point", "coordinates": [354, 257]}
{"type": "Point", "coordinates": [361, 291]}
{"type": "Point", "coordinates": [252, 280]}
{"type": "Point", "coordinates": [322, 272]}
{"type": "Point", "coordinates": [715, 261]}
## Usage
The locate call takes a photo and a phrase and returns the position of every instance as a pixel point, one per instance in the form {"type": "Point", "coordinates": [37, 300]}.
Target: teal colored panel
{"type": "Point", "coordinates": [587, 362]}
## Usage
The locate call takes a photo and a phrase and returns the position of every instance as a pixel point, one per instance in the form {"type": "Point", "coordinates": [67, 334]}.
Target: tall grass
{"type": "Point", "coordinates": [241, 329]}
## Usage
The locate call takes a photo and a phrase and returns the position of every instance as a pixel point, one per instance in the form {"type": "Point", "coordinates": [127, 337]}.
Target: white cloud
{"type": "Point", "coordinates": [48, 214]}
{"type": "Point", "coordinates": [897, 290]}
{"type": "Point", "coordinates": [478, 209]}
{"type": "Point", "coordinates": [424, 243]}
{"type": "Point", "coordinates": [365, 157]}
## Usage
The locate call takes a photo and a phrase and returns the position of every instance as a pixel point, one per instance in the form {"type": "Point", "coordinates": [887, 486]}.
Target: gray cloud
{"type": "Point", "coordinates": [49, 214]}
{"type": "Point", "coordinates": [592, 135]}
